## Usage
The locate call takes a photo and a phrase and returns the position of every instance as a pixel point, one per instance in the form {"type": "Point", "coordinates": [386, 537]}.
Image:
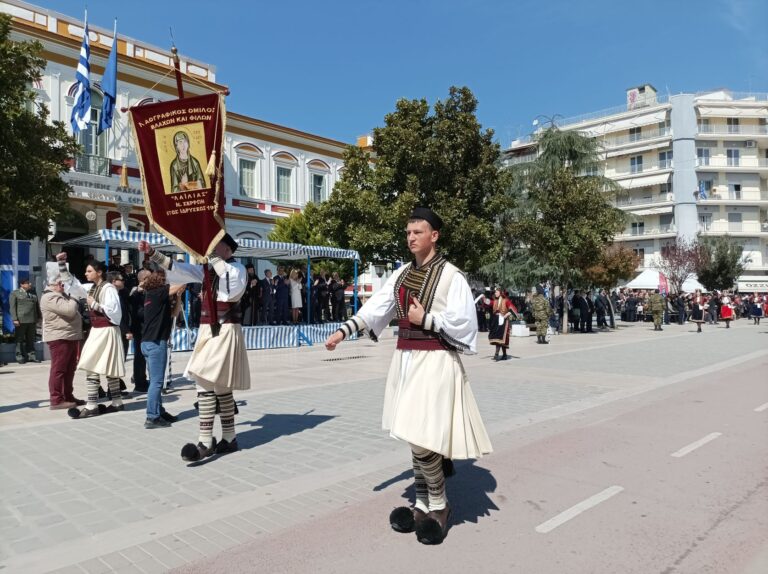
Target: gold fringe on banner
{"type": "Point", "coordinates": [124, 175]}
{"type": "Point", "coordinates": [211, 169]}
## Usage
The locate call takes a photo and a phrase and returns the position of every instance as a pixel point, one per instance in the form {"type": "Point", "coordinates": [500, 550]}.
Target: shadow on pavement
{"type": "Point", "coordinates": [27, 405]}
{"type": "Point", "coordinates": [273, 426]}
{"type": "Point", "coordinates": [467, 491]}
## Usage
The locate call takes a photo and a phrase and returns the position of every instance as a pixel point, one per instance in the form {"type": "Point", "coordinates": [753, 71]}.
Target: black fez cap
{"type": "Point", "coordinates": [229, 240]}
{"type": "Point", "coordinates": [427, 215]}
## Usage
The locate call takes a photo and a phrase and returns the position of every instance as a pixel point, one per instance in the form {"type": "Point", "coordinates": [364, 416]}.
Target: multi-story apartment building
{"type": "Point", "coordinates": [687, 164]}
{"type": "Point", "coordinates": [271, 171]}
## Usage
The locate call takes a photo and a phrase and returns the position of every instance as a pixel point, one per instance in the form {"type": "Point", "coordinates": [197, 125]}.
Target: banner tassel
{"type": "Point", "coordinates": [211, 169]}
{"type": "Point", "coordinates": [124, 175]}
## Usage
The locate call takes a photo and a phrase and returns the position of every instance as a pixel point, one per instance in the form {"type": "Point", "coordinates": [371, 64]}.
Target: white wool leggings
{"type": "Point", "coordinates": [207, 399]}
{"type": "Point", "coordinates": [429, 479]}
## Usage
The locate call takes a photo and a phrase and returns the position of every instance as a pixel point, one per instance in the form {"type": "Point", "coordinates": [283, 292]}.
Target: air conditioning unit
{"type": "Point", "coordinates": [750, 143]}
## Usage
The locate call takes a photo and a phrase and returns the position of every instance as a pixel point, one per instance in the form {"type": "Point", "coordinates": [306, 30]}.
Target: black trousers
{"type": "Point", "coordinates": [25, 341]}
{"type": "Point", "coordinates": [139, 366]}
{"type": "Point", "coordinates": [268, 311]}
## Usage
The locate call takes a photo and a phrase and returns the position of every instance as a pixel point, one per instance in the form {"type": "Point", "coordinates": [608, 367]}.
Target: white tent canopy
{"type": "Point", "coordinates": [649, 279]}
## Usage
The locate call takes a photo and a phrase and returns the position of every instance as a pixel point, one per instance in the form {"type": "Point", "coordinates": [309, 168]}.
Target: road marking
{"type": "Point", "coordinates": [577, 509]}
{"type": "Point", "coordinates": [761, 408]}
{"type": "Point", "coordinates": [694, 445]}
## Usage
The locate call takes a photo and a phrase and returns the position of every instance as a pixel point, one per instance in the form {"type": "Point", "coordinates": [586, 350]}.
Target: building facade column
{"type": "Point", "coordinates": [685, 181]}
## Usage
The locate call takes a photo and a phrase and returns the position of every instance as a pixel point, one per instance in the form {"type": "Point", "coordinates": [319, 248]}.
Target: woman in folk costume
{"type": "Point", "coordinates": [726, 310]}
{"type": "Point", "coordinates": [219, 362]}
{"type": "Point", "coordinates": [697, 311]}
{"type": "Point", "coordinates": [428, 402]}
{"type": "Point", "coordinates": [498, 334]}
{"type": "Point", "coordinates": [102, 353]}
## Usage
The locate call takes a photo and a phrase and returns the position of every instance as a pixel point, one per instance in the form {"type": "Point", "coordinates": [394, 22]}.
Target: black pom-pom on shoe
{"type": "Point", "coordinates": [401, 519]}
{"type": "Point", "coordinates": [190, 453]}
{"type": "Point", "coordinates": [429, 531]}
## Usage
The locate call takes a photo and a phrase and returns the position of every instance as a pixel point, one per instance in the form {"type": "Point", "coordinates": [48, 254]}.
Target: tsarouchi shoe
{"type": "Point", "coordinates": [405, 519]}
{"type": "Point", "coordinates": [192, 453]}
{"type": "Point", "coordinates": [434, 528]}
{"type": "Point", "coordinates": [225, 446]}
{"type": "Point", "coordinates": [114, 409]}
{"type": "Point", "coordinates": [76, 413]}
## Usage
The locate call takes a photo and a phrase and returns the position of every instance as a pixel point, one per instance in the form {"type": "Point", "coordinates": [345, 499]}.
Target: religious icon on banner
{"type": "Point", "coordinates": [180, 150]}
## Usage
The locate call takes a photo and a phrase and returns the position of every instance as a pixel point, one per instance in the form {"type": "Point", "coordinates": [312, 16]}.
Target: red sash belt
{"type": "Point", "coordinates": [99, 320]}
{"type": "Point", "coordinates": [226, 311]}
{"type": "Point", "coordinates": [412, 339]}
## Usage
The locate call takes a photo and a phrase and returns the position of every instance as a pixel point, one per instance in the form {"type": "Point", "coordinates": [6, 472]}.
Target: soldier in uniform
{"type": "Point", "coordinates": [25, 313]}
{"type": "Point", "coordinates": [542, 311]}
{"type": "Point", "coordinates": [656, 304]}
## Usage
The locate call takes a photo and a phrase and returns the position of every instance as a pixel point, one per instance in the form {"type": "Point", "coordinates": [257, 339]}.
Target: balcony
{"type": "Point", "coordinates": [637, 138]}
{"type": "Point", "coordinates": [732, 162]}
{"type": "Point", "coordinates": [649, 232]}
{"type": "Point", "coordinates": [744, 227]}
{"type": "Point", "coordinates": [93, 164]}
{"type": "Point", "coordinates": [747, 197]}
{"type": "Point", "coordinates": [645, 167]}
{"type": "Point", "coordinates": [633, 202]}
{"type": "Point", "coordinates": [722, 129]}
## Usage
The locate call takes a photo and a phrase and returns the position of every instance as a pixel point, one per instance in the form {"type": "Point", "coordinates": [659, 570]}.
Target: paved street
{"type": "Point", "coordinates": [630, 451]}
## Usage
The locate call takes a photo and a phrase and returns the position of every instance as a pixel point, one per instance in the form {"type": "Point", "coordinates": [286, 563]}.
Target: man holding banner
{"type": "Point", "coordinates": [186, 205]}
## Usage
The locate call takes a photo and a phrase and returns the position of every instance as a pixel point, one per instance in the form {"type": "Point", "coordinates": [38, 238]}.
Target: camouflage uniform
{"type": "Point", "coordinates": [656, 304]}
{"type": "Point", "coordinates": [542, 311]}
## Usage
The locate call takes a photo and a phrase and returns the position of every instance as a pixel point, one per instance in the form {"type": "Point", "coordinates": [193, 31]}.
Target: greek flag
{"type": "Point", "coordinates": [702, 190]}
{"type": "Point", "coordinates": [109, 85]}
{"type": "Point", "coordinates": [81, 113]}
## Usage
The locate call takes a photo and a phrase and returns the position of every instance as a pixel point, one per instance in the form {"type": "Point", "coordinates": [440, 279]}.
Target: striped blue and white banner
{"type": "Point", "coordinates": [81, 112]}
{"type": "Point", "coordinates": [277, 337]}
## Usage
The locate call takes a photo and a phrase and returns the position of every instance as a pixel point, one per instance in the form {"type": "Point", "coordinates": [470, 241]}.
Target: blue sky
{"type": "Point", "coordinates": [335, 68]}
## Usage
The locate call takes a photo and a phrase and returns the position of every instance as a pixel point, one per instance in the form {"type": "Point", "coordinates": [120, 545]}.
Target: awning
{"type": "Point", "coordinates": [256, 248]}
{"type": "Point", "coordinates": [624, 124]}
{"type": "Point", "coordinates": [732, 111]}
{"type": "Point", "coordinates": [653, 211]}
{"type": "Point", "coordinates": [636, 150]}
{"type": "Point", "coordinates": [644, 181]}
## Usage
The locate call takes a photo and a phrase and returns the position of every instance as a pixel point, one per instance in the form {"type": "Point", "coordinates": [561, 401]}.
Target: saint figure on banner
{"type": "Point", "coordinates": [186, 173]}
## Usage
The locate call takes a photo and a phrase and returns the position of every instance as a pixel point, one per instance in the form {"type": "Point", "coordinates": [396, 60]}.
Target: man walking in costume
{"type": "Point", "coordinates": [219, 363]}
{"type": "Point", "coordinates": [428, 402]}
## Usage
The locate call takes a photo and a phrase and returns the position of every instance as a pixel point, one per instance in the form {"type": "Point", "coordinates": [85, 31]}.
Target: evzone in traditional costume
{"type": "Point", "coordinates": [219, 361]}
{"type": "Point", "coordinates": [103, 352]}
{"type": "Point", "coordinates": [428, 401]}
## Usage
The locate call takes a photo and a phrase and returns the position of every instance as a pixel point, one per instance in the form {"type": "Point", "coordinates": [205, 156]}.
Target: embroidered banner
{"type": "Point", "coordinates": [174, 141]}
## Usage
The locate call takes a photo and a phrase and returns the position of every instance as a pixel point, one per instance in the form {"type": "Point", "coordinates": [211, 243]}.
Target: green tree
{"type": "Point", "coordinates": [442, 160]}
{"type": "Point", "coordinates": [720, 263]}
{"type": "Point", "coordinates": [33, 151]}
{"type": "Point", "coordinates": [304, 228]}
{"type": "Point", "coordinates": [563, 215]}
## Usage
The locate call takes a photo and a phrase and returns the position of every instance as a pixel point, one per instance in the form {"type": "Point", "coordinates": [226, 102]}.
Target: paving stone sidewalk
{"type": "Point", "coordinates": [106, 495]}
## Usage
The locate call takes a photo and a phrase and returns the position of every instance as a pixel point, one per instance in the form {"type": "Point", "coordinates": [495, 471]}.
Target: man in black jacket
{"type": "Point", "coordinates": [136, 312]}
{"type": "Point", "coordinates": [267, 299]}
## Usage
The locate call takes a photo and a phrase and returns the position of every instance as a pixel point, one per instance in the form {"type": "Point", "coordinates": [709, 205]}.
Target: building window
{"type": "Point", "coordinates": [734, 222]}
{"type": "Point", "coordinates": [318, 194]}
{"type": "Point", "coordinates": [734, 157]}
{"type": "Point", "coordinates": [638, 228]}
{"type": "Point", "coordinates": [635, 134]}
{"type": "Point", "coordinates": [664, 127]}
{"type": "Point", "coordinates": [636, 164]}
{"type": "Point", "coordinates": [665, 222]}
{"type": "Point", "coordinates": [734, 191]}
{"type": "Point", "coordinates": [284, 184]}
{"type": "Point", "coordinates": [247, 175]}
{"type": "Point", "coordinates": [640, 252]}
{"type": "Point", "coordinates": [665, 192]}
{"type": "Point", "coordinates": [733, 125]}
{"type": "Point", "coordinates": [665, 159]}
{"type": "Point", "coordinates": [702, 154]}
{"type": "Point", "coordinates": [705, 126]}
{"type": "Point", "coordinates": [705, 221]}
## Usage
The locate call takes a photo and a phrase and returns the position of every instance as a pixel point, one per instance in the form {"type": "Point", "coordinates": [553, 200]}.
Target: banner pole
{"type": "Point", "coordinates": [177, 71]}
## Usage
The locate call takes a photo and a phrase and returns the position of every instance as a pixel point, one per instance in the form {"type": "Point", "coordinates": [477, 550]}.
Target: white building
{"type": "Point", "coordinates": [271, 171]}
{"type": "Point", "coordinates": [689, 164]}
